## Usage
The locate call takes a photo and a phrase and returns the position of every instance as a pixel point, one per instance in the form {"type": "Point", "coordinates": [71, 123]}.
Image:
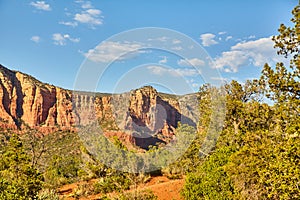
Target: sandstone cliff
{"type": "Point", "coordinates": [26, 102]}
{"type": "Point", "coordinates": [142, 113]}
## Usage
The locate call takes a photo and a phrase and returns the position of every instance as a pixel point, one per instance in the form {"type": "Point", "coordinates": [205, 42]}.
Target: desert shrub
{"type": "Point", "coordinates": [83, 190]}
{"type": "Point", "coordinates": [61, 170]}
{"type": "Point", "coordinates": [116, 182]}
{"type": "Point", "coordinates": [139, 195]}
{"type": "Point", "coordinates": [97, 169]}
{"type": "Point", "coordinates": [48, 194]}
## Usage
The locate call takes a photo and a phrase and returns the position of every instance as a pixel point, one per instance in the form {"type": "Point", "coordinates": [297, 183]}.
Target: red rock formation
{"type": "Point", "coordinates": [27, 102]}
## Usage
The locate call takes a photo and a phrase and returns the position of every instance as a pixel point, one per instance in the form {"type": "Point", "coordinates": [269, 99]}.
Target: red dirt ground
{"type": "Point", "coordinates": [161, 186]}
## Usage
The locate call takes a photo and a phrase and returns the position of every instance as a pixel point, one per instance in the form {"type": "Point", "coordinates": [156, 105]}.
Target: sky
{"type": "Point", "coordinates": [115, 46]}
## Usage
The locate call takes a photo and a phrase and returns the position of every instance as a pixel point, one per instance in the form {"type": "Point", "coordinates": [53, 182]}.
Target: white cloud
{"type": "Point", "coordinates": [195, 85]}
{"type": "Point", "coordinates": [177, 48]}
{"type": "Point", "coordinates": [191, 47]}
{"type": "Point", "coordinates": [86, 15]}
{"type": "Point", "coordinates": [251, 37]}
{"type": "Point", "coordinates": [176, 41]}
{"type": "Point", "coordinates": [160, 39]}
{"type": "Point", "coordinates": [35, 39]}
{"type": "Point", "coordinates": [219, 78]}
{"type": "Point", "coordinates": [72, 24]}
{"type": "Point", "coordinates": [159, 70]}
{"type": "Point", "coordinates": [257, 53]}
{"type": "Point", "coordinates": [164, 60]}
{"type": "Point", "coordinates": [208, 39]}
{"type": "Point", "coordinates": [60, 39]}
{"type": "Point", "coordinates": [90, 16]}
{"type": "Point", "coordinates": [228, 38]}
{"type": "Point", "coordinates": [67, 36]}
{"type": "Point", "coordinates": [41, 5]}
{"type": "Point", "coordinates": [191, 62]}
{"type": "Point", "coordinates": [231, 59]}
{"type": "Point", "coordinates": [110, 51]}
{"type": "Point", "coordinates": [87, 5]}
{"type": "Point", "coordinates": [93, 12]}
{"type": "Point", "coordinates": [222, 32]}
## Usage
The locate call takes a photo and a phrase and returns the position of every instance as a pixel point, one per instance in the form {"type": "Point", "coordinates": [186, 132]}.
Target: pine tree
{"type": "Point", "coordinates": [283, 83]}
{"type": "Point", "coordinates": [18, 178]}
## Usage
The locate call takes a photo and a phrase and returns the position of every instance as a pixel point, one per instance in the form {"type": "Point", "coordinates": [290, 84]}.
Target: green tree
{"type": "Point", "coordinates": [61, 170]}
{"type": "Point", "coordinates": [18, 178]}
{"type": "Point", "coordinates": [257, 155]}
{"type": "Point", "coordinates": [210, 181]}
{"type": "Point", "coordinates": [237, 97]}
{"type": "Point", "coordinates": [283, 83]}
{"type": "Point", "coordinates": [267, 165]}
{"type": "Point", "coordinates": [244, 112]}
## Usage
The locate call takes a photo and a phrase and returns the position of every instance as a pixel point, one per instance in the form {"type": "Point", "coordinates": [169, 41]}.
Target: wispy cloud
{"type": "Point", "coordinates": [219, 78]}
{"type": "Point", "coordinates": [176, 41]}
{"type": "Point", "coordinates": [164, 60]}
{"type": "Point", "coordinates": [61, 39]}
{"type": "Point", "coordinates": [72, 24]}
{"type": "Point", "coordinates": [177, 48]}
{"type": "Point", "coordinates": [159, 70]}
{"type": "Point", "coordinates": [191, 62]}
{"type": "Point", "coordinates": [256, 53]}
{"type": "Point", "coordinates": [110, 51]}
{"type": "Point", "coordinates": [208, 39]}
{"type": "Point", "coordinates": [41, 5]}
{"type": "Point", "coordinates": [193, 83]}
{"type": "Point", "coordinates": [228, 38]}
{"type": "Point", "coordinates": [160, 39]}
{"type": "Point", "coordinates": [87, 5]}
{"type": "Point", "coordinates": [35, 39]}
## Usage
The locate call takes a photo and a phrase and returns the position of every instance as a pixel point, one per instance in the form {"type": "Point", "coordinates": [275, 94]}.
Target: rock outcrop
{"type": "Point", "coordinates": [26, 102]}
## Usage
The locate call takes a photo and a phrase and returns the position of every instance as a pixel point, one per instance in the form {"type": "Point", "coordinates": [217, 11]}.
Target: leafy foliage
{"type": "Point", "coordinates": [282, 84]}
{"type": "Point", "coordinates": [61, 170]}
{"type": "Point", "coordinates": [18, 178]}
{"type": "Point", "coordinates": [210, 181]}
{"type": "Point", "coordinates": [266, 167]}
{"type": "Point", "coordinates": [116, 182]}
{"type": "Point", "coordinates": [257, 154]}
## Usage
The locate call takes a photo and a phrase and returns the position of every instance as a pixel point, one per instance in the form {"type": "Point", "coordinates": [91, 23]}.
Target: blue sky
{"type": "Point", "coordinates": [54, 40]}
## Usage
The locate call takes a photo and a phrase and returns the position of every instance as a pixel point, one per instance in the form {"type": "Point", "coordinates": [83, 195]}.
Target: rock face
{"type": "Point", "coordinates": [148, 116]}
{"type": "Point", "coordinates": [150, 119]}
{"type": "Point", "coordinates": [148, 109]}
{"type": "Point", "coordinates": [26, 102]}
